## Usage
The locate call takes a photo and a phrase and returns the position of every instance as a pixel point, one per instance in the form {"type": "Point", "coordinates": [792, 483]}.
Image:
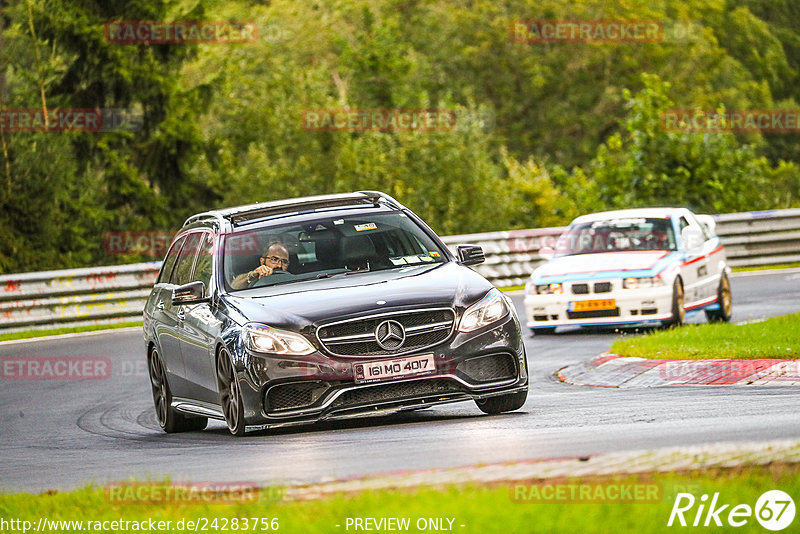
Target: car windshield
{"type": "Point", "coordinates": [616, 235]}
{"type": "Point", "coordinates": [326, 247]}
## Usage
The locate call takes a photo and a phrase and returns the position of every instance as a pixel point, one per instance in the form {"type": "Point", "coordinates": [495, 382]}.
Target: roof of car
{"type": "Point", "coordinates": [654, 213]}
{"type": "Point", "coordinates": [238, 215]}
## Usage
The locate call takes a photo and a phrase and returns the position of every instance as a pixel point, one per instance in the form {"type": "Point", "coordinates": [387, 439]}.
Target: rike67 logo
{"type": "Point", "coordinates": [774, 510]}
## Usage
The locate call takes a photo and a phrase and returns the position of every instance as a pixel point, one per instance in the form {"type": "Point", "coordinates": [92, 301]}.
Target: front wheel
{"type": "Point", "coordinates": [502, 403]}
{"type": "Point", "coordinates": [230, 398]}
{"type": "Point", "coordinates": [678, 305]}
{"type": "Point", "coordinates": [725, 301]}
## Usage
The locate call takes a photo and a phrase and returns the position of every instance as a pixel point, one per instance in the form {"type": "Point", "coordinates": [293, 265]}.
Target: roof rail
{"type": "Point", "coordinates": [256, 211]}
{"type": "Point", "coordinates": [384, 196]}
{"type": "Point", "coordinates": [205, 215]}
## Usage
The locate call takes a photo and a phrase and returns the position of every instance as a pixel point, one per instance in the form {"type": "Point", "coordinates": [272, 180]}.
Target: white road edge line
{"type": "Point", "coordinates": [742, 274]}
{"type": "Point", "coordinates": [73, 334]}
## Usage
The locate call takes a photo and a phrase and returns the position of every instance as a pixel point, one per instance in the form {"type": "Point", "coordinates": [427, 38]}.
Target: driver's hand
{"type": "Point", "coordinates": [263, 270]}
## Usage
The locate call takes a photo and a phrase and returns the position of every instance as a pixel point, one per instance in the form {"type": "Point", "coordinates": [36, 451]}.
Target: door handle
{"type": "Point", "coordinates": [181, 314]}
{"type": "Point", "coordinates": [160, 305]}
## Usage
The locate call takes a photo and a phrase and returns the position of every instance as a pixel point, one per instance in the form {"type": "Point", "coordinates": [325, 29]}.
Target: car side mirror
{"type": "Point", "coordinates": [709, 222]}
{"type": "Point", "coordinates": [191, 293]}
{"type": "Point", "coordinates": [691, 238]}
{"type": "Point", "coordinates": [470, 254]}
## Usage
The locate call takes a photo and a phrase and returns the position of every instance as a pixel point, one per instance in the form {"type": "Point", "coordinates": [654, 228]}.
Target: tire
{"type": "Point", "coordinates": [548, 331]}
{"type": "Point", "coordinates": [678, 305]}
{"type": "Point", "coordinates": [230, 397]}
{"type": "Point", "coordinates": [169, 419]}
{"type": "Point", "coordinates": [502, 403]}
{"type": "Point", "coordinates": [723, 314]}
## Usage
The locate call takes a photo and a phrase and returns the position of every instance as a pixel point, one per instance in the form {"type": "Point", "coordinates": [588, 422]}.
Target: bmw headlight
{"type": "Point", "coordinates": [263, 338]}
{"type": "Point", "coordinates": [486, 311]}
{"type": "Point", "coordinates": [545, 289]}
{"type": "Point", "coordinates": [636, 283]}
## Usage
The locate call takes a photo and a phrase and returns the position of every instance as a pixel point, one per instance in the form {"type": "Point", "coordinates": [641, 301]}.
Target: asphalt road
{"type": "Point", "coordinates": [66, 433]}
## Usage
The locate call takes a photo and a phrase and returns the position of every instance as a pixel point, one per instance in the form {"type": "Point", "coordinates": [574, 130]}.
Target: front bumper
{"type": "Point", "coordinates": [630, 306]}
{"type": "Point", "coordinates": [278, 391]}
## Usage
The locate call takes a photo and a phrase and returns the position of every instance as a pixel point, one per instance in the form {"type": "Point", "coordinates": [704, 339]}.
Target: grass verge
{"type": "Point", "coordinates": [66, 330]}
{"type": "Point", "coordinates": [778, 337]}
{"type": "Point", "coordinates": [503, 508]}
{"type": "Point", "coordinates": [511, 288]}
{"type": "Point", "coordinates": [766, 267]}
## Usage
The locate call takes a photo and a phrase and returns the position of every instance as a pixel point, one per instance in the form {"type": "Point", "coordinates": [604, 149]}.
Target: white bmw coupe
{"type": "Point", "coordinates": [630, 267]}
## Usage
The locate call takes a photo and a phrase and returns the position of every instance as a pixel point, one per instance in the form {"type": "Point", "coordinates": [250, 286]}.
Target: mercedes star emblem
{"type": "Point", "coordinates": [390, 335]}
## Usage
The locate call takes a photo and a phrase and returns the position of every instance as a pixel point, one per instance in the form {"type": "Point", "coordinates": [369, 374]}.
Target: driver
{"type": "Point", "coordinates": [276, 257]}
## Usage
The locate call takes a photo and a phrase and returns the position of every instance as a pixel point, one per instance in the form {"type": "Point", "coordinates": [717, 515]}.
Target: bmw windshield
{"type": "Point", "coordinates": [325, 247]}
{"type": "Point", "coordinates": [616, 236]}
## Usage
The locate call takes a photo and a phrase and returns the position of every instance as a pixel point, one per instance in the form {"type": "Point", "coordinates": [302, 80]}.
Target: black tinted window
{"type": "Point", "coordinates": [169, 261]}
{"type": "Point", "coordinates": [183, 268]}
{"type": "Point", "coordinates": [330, 246]}
{"type": "Point", "coordinates": [205, 260]}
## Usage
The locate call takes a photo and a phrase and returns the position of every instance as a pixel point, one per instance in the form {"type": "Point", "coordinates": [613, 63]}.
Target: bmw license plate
{"type": "Point", "coordinates": [592, 305]}
{"type": "Point", "coordinates": [392, 369]}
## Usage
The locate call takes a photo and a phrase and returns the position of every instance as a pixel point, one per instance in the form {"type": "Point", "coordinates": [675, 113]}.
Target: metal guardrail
{"type": "Point", "coordinates": [117, 294]}
{"type": "Point", "coordinates": [75, 297]}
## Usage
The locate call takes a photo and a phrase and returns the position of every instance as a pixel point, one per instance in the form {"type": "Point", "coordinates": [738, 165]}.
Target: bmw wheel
{"type": "Point", "coordinates": [168, 418]}
{"type": "Point", "coordinates": [678, 305]}
{"type": "Point", "coordinates": [725, 301]}
{"type": "Point", "coordinates": [230, 397]}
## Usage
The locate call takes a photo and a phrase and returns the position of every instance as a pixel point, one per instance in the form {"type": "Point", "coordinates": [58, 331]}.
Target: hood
{"type": "Point", "coordinates": [602, 263]}
{"type": "Point", "coordinates": [299, 305]}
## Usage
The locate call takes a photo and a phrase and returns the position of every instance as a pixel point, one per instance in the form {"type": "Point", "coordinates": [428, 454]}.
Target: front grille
{"type": "Point", "coordinates": [294, 396]}
{"type": "Point", "coordinates": [580, 289]}
{"type": "Point", "coordinates": [591, 314]}
{"type": "Point", "coordinates": [602, 287]}
{"type": "Point", "coordinates": [395, 391]}
{"type": "Point", "coordinates": [489, 368]}
{"type": "Point", "coordinates": [356, 338]}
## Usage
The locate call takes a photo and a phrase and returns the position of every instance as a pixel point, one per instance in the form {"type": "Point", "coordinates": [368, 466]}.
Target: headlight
{"type": "Point", "coordinates": [262, 338]}
{"type": "Point", "coordinates": [486, 311]}
{"type": "Point", "coordinates": [547, 289]}
{"type": "Point", "coordinates": [636, 283]}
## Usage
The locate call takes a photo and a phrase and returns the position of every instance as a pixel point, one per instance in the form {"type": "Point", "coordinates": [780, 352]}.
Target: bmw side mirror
{"type": "Point", "coordinates": [709, 222]}
{"type": "Point", "coordinates": [470, 254]}
{"type": "Point", "coordinates": [691, 238]}
{"type": "Point", "coordinates": [191, 293]}
{"type": "Point", "coordinates": [547, 253]}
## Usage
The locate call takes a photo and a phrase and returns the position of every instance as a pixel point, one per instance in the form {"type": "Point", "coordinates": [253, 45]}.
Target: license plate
{"type": "Point", "coordinates": [592, 305]}
{"type": "Point", "coordinates": [392, 369]}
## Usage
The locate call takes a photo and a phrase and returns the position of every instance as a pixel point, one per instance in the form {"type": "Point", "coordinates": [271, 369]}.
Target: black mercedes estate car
{"type": "Point", "coordinates": [321, 308]}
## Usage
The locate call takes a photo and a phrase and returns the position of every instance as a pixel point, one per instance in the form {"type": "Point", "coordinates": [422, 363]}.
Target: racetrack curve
{"type": "Point", "coordinates": [64, 433]}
